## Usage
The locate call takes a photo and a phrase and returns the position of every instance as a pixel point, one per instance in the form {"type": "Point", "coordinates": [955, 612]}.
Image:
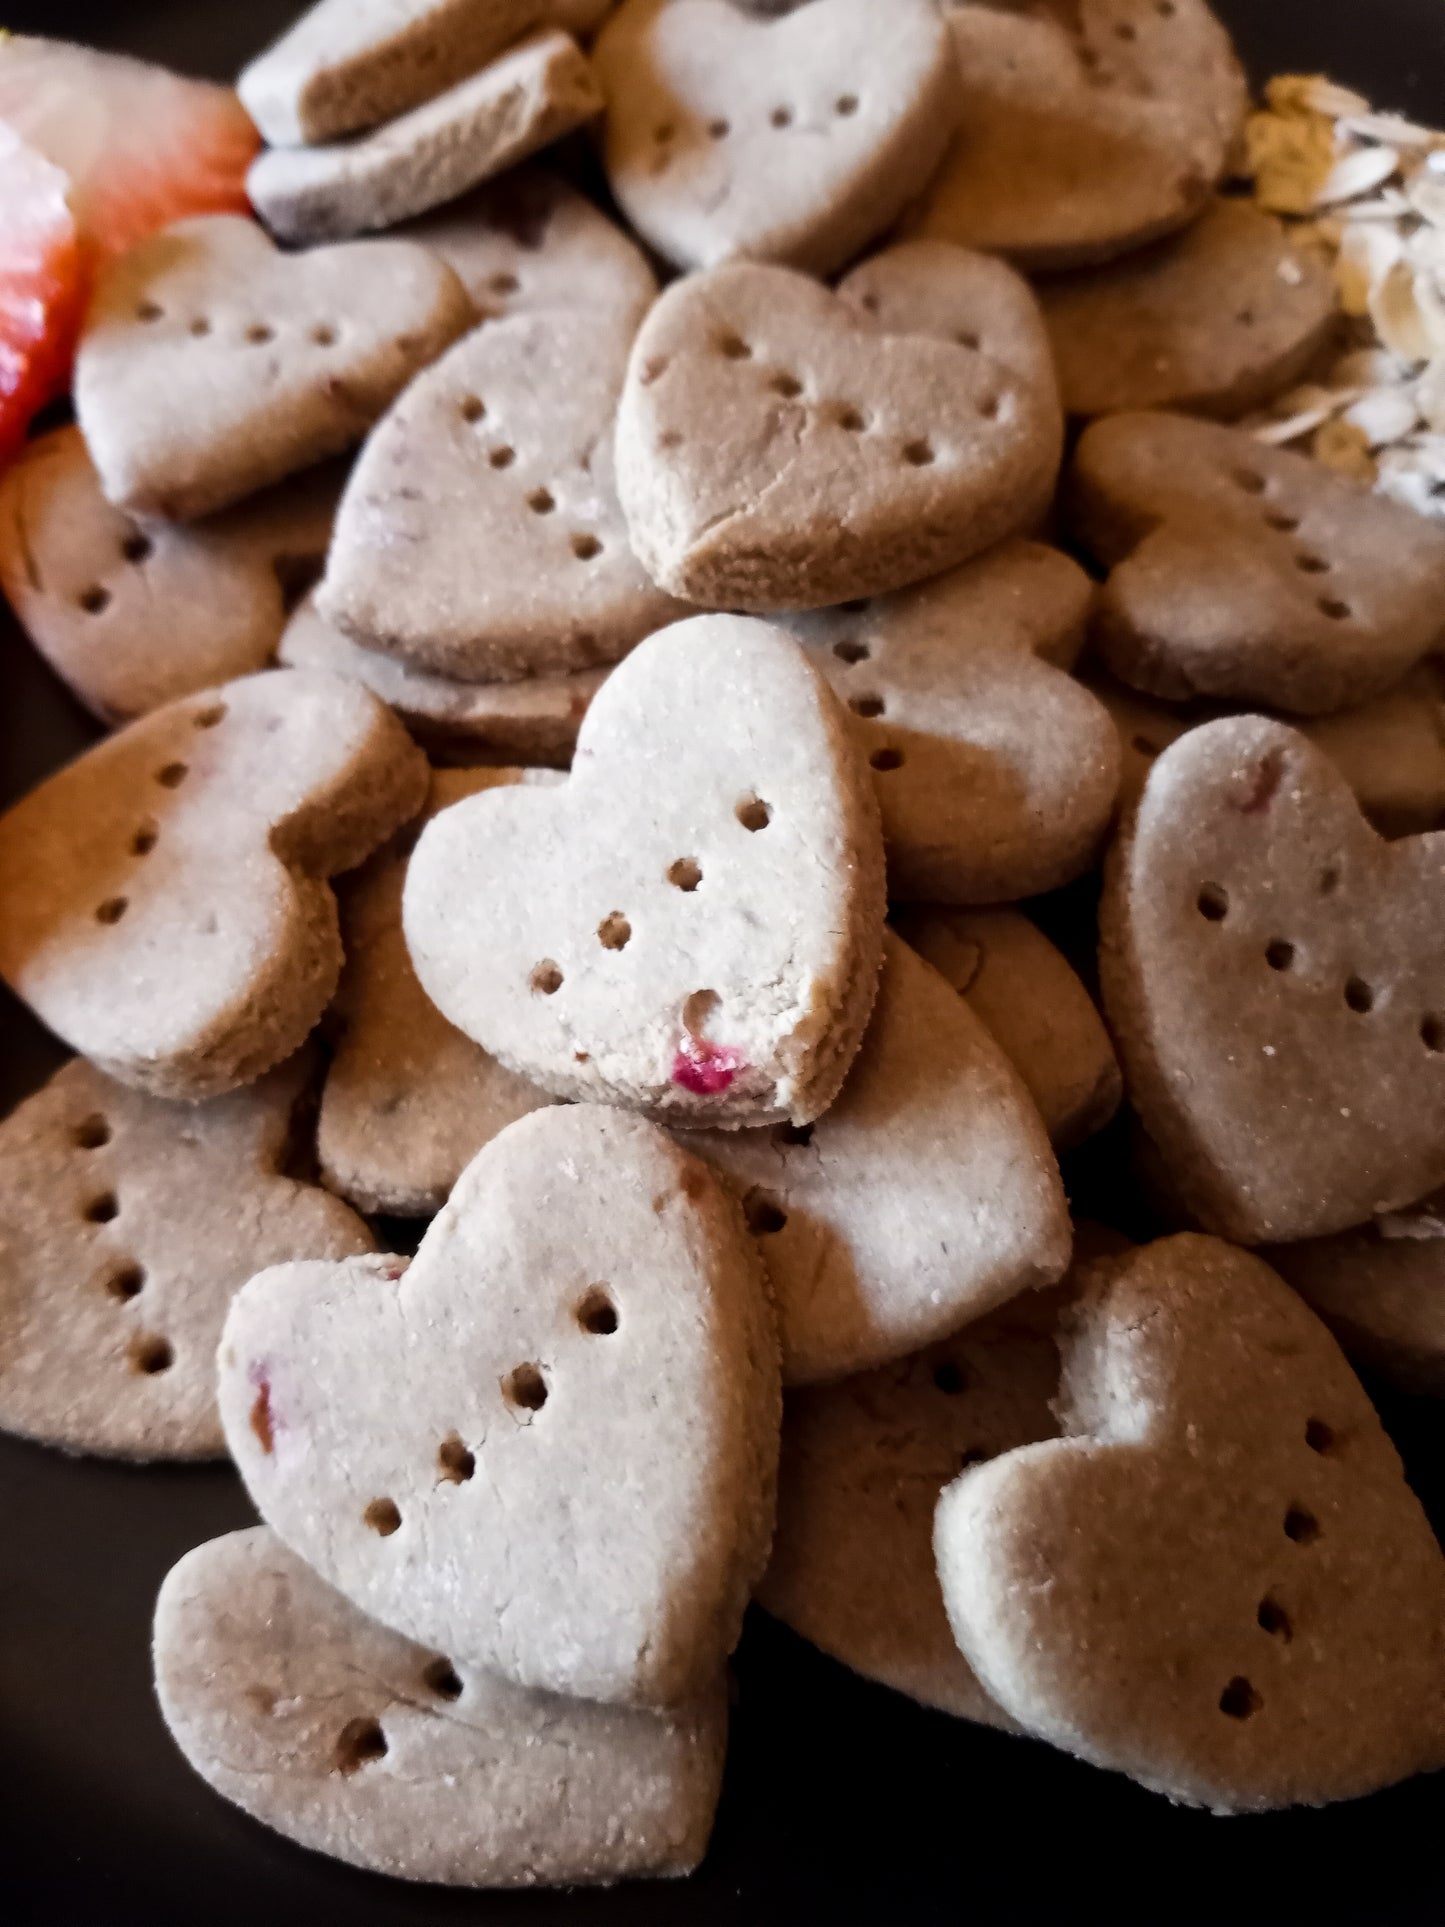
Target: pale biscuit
{"type": "Point", "coordinates": [1217, 320]}
{"type": "Point", "coordinates": [1390, 750]}
{"type": "Point", "coordinates": [692, 924]}
{"type": "Point", "coordinates": [1381, 1291]}
{"type": "Point", "coordinates": [351, 1740]}
{"type": "Point", "coordinates": [530, 242]}
{"type": "Point", "coordinates": [127, 1224]}
{"type": "Point", "coordinates": [531, 722]}
{"type": "Point", "coordinates": [1248, 572]}
{"type": "Point", "coordinates": [794, 140]}
{"type": "Point", "coordinates": [1084, 130]}
{"type": "Point", "coordinates": [503, 449]}
{"type": "Point", "coordinates": [776, 450]}
{"type": "Point", "coordinates": [408, 1101]}
{"type": "Point", "coordinates": [1270, 970]}
{"type": "Point", "coordinates": [165, 903]}
{"type": "Point", "coordinates": [349, 64]}
{"type": "Point", "coordinates": [976, 301]}
{"type": "Point", "coordinates": [862, 1466]}
{"type": "Point", "coordinates": [1217, 1581]}
{"type": "Point", "coordinates": [132, 617]}
{"type": "Point", "coordinates": [996, 772]}
{"type": "Point", "coordinates": [549, 1447]}
{"type": "Point", "coordinates": [923, 1197]}
{"type": "Point", "coordinates": [1035, 1008]}
{"type": "Point", "coordinates": [521, 102]}
{"type": "Point", "coordinates": [211, 365]}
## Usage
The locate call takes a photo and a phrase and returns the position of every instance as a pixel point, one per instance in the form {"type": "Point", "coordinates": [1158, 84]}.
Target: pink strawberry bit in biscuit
{"type": "Point", "coordinates": [707, 1070]}
{"type": "Point", "coordinates": [1263, 789]}
{"type": "Point", "coordinates": [263, 1419]}
{"type": "Point", "coordinates": [398, 1268]}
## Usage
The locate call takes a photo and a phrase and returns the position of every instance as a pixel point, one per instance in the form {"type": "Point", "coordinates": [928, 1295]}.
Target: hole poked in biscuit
{"type": "Point", "coordinates": [103, 1209]}
{"type": "Point", "coordinates": [596, 1313]}
{"type": "Point", "coordinates": [764, 1214]}
{"type": "Point", "coordinates": [525, 1388]}
{"type": "Point", "coordinates": [1281, 521]}
{"type": "Point", "coordinates": [472, 409]}
{"type": "Point", "coordinates": [546, 978]}
{"type": "Point", "coordinates": [172, 776]}
{"type": "Point", "coordinates": [1250, 480]}
{"type": "Point", "coordinates": [1213, 903]}
{"type": "Point", "coordinates": [149, 311]}
{"type": "Point", "coordinates": [90, 1134]}
{"type": "Point", "coordinates": [150, 1354]}
{"type": "Point", "coordinates": [1280, 954]}
{"type": "Point", "coordinates": [1308, 563]}
{"type": "Point", "coordinates": [1239, 1700]}
{"type": "Point", "coordinates": [455, 1464]}
{"type": "Point", "coordinates": [614, 932]}
{"type": "Point", "coordinates": [918, 454]}
{"type": "Point", "coordinates": [360, 1743]}
{"type": "Point", "coordinates": [137, 547]}
{"type": "Point", "coordinates": [211, 717]}
{"type": "Point", "coordinates": [968, 338]}
{"type": "Point", "coordinates": [383, 1516]}
{"type": "Point", "coordinates": [201, 327]}
{"type": "Point", "coordinates": [125, 1284]}
{"type": "Point", "coordinates": [112, 910]}
{"type": "Point", "coordinates": [440, 1677]}
{"type": "Point", "coordinates": [1432, 1032]}
{"type": "Point", "coordinates": [502, 457]}
{"type": "Point", "coordinates": [850, 419]}
{"type": "Point", "coordinates": [852, 652]}
{"type": "Point", "coordinates": [781, 117]}
{"type": "Point", "coordinates": [685, 874]}
{"type": "Point", "coordinates": [324, 335]}
{"type": "Point", "coordinates": [845, 106]}
{"type": "Point", "coordinates": [869, 706]}
{"type": "Point", "coordinates": [754, 814]}
{"type": "Point", "coordinates": [1359, 996]}
{"type": "Point", "coordinates": [885, 760]}
{"type": "Point", "coordinates": [586, 547]}
{"type": "Point", "coordinates": [718, 130]}
{"type": "Point", "coordinates": [950, 1379]}
{"type": "Point", "coordinates": [1274, 1620]}
{"type": "Point", "coordinates": [259, 333]}
{"type": "Point", "coordinates": [95, 601]}
{"type": "Point", "coordinates": [793, 1134]}
{"type": "Point", "coordinates": [505, 284]}
{"type": "Point", "coordinates": [1319, 1436]}
{"type": "Point", "coordinates": [541, 501]}
{"type": "Point", "coordinates": [145, 840]}
{"type": "Point", "coordinates": [1336, 610]}
{"type": "Point", "coordinates": [1301, 1525]}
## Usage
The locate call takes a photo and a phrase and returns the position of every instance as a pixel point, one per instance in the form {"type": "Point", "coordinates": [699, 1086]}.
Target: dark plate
{"type": "Point", "coordinates": [843, 1803]}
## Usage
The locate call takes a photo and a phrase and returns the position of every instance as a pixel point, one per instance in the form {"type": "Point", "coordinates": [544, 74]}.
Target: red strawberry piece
{"type": "Point", "coordinates": [142, 147]}
{"type": "Point", "coordinates": [41, 286]}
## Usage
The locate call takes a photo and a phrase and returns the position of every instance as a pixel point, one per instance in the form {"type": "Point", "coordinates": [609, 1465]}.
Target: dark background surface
{"type": "Point", "coordinates": [843, 1804]}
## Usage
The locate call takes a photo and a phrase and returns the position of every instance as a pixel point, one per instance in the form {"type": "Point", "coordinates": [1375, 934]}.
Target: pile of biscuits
{"type": "Point", "coordinates": [866, 590]}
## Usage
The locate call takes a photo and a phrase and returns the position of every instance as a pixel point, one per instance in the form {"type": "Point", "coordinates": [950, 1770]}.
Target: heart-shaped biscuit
{"type": "Point", "coordinates": [995, 770]}
{"type": "Point", "coordinates": [862, 1465]}
{"type": "Point", "coordinates": [923, 1197]}
{"type": "Point", "coordinates": [1381, 1291]}
{"type": "Point", "coordinates": [524, 100]}
{"type": "Point", "coordinates": [530, 242]}
{"type": "Point", "coordinates": [127, 1224]}
{"type": "Point", "coordinates": [1250, 572]}
{"type": "Point", "coordinates": [502, 449]}
{"type": "Point", "coordinates": [793, 140]}
{"type": "Point", "coordinates": [776, 450]}
{"type": "Point", "coordinates": [163, 900]}
{"type": "Point", "coordinates": [351, 1740]}
{"type": "Point", "coordinates": [1390, 750]}
{"type": "Point", "coordinates": [1217, 320]}
{"type": "Point", "coordinates": [692, 923]}
{"type": "Point", "coordinates": [1217, 1581]}
{"type": "Point", "coordinates": [528, 723]}
{"type": "Point", "coordinates": [549, 1447]}
{"type": "Point", "coordinates": [133, 617]}
{"type": "Point", "coordinates": [408, 1101]}
{"type": "Point", "coordinates": [211, 365]}
{"type": "Point", "coordinates": [1033, 1006]}
{"type": "Point", "coordinates": [350, 64]}
{"type": "Point", "coordinates": [1271, 972]}
{"type": "Point", "coordinates": [1086, 127]}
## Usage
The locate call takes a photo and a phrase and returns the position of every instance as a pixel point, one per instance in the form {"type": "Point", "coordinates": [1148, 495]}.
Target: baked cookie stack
{"type": "Point", "coordinates": [597, 713]}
